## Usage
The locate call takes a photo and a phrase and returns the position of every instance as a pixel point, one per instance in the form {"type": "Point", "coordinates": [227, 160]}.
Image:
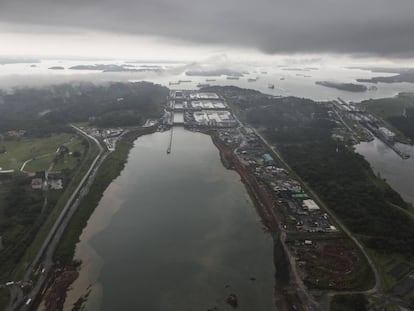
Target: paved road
{"type": "Point", "coordinates": [49, 245]}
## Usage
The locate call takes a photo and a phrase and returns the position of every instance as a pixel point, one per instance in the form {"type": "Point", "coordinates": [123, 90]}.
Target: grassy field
{"type": "Point", "coordinates": [19, 151]}
{"type": "Point", "coordinates": [90, 155]}
{"type": "Point", "coordinates": [40, 163]}
{"type": "Point", "coordinates": [70, 161]}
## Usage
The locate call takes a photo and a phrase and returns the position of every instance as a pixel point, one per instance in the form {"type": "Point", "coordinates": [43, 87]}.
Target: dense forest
{"type": "Point", "coordinates": [345, 182]}
{"type": "Point", "coordinates": [404, 124]}
{"type": "Point", "coordinates": [398, 111]}
{"type": "Point", "coordinates": [41, 111]}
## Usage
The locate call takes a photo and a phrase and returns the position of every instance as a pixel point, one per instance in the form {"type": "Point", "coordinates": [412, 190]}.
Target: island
{"type": "Point", "coordinates": [57, 68]}
{"type": "Point", "coordinates": [113, 68]}
{"type": "Point", "coordinates": [349, 87]}
{"type": "Point", "coordinates": [401, 75]}
{"type": "Point", "coordinates": [214, 73]}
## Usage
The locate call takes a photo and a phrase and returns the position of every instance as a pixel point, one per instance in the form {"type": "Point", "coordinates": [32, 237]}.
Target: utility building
{"type": "Point", "coordinates": [268, 159]}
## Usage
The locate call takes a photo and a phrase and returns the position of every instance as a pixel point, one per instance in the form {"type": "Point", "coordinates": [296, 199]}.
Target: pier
{"type": "Point", "coordinates": [170, 141]}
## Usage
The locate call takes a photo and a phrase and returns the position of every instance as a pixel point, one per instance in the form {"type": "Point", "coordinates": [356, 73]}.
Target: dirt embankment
{"type": "Point", "coordinates": [59, 282]}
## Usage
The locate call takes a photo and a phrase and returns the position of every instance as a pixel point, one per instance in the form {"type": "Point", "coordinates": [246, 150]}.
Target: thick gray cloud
{"type": "Point", "coordinates": [375, 27]}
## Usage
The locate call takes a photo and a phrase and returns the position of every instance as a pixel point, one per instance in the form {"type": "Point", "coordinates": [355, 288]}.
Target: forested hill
{"type": "Point", "coordinates": [39, 110]}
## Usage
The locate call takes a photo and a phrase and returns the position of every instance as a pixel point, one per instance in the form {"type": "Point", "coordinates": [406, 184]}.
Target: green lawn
{"type": "Point", "coordinates": [70, 161]}
{"type": "Point", "coordinates": [90, 154]}
{"type": "Point", "coordinates": [19, 151]}
{"type": "Point", "coordinates": [40, 163]}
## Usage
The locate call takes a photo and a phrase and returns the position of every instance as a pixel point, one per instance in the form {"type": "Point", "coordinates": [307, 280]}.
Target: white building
{"type": "Point", "coordinates": [310, 205]}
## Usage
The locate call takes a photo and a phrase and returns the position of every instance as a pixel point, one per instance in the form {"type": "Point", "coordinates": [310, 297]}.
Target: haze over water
{"type": "Point", "coordinates": [296, 81]}
{"type": "Point", "coordinates": [180, 233]}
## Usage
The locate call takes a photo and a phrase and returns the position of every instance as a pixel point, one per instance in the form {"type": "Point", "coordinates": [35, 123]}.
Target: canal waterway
{"type": "Point", "coordinates": [398, 172]}
{"type": "Point", "coordinates": [175, 232]}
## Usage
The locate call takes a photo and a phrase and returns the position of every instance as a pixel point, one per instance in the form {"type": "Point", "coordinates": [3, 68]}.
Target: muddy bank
{"type": "Point", "coordinates": [59, 282]}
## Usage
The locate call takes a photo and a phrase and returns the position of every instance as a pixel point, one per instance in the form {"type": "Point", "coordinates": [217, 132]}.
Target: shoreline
{"type": "Point", "coordinates": [284, 293]}
{"type": "Point", "coordinates": [59, 283]}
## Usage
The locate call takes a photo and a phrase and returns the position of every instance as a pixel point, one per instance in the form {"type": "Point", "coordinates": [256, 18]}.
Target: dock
{"type": "Point", "coordinates": [170, 141]}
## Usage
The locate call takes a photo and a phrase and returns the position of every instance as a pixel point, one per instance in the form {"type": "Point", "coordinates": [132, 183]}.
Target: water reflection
{"type": "Point", "coordinates": [181, 234]}
{"type": "Point", "coordinates": [399, 173]}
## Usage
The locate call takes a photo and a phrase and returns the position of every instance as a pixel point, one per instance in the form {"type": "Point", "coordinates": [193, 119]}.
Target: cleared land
{"type": "Point", "coordinates": [25, 213]}
{"type": "Point", "coordinates": [19, 151]}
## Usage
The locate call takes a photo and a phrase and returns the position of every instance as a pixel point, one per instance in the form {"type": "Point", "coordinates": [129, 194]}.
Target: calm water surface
{"type": "Point", "coordinates": [175, 232]}
{"type": "Point", "coordinates": [399, 173]}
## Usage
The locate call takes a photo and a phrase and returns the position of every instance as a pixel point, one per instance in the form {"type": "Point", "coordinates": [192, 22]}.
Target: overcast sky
{"type": "Point", "coordinates": [372, 28]}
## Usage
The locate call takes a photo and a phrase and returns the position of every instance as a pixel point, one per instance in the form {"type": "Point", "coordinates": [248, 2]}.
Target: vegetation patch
{"type": "Point", "coordinates": [357, 302]}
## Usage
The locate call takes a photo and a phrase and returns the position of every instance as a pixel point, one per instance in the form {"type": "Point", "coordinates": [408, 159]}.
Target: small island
{"type": "Point", "coordinates": [214, 73]}
{"type": "Point", "coordinates": [113, 68]}
{"type": "Point", "coordinates": [401, 77]}
{"type": "Point", "coordinates": [350, 87]}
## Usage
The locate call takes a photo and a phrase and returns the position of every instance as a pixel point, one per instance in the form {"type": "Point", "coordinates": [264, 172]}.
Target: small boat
{"type": "Point", "coordinates": [184, 81]}
{"type": "Point", "coordinates": [271, 86]}
{"type": "Point", "coordinates": [252, 80]}
{"type": "Point", "coordinates": [232, 78]}
{"type": "Point", "coordinates": [210, 80]}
